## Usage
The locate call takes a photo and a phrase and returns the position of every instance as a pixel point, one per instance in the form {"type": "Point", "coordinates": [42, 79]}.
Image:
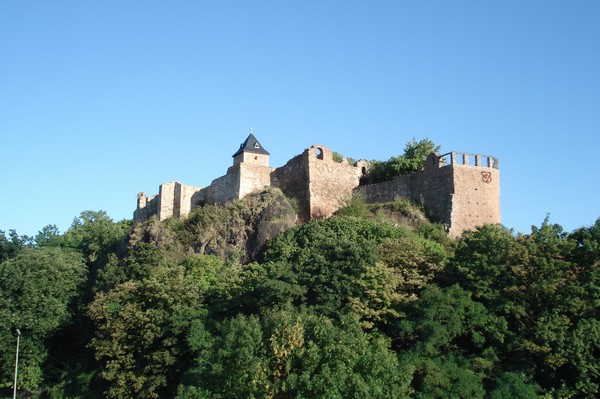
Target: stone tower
{"type": "Point", "coordinates": [250, 170]}
{"type": "Point", "coordinates": [251, 152]}
{"type": "Point", "coordinates": [474, 197]}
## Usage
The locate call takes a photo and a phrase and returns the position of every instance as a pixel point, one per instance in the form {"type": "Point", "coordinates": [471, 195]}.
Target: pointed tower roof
{"type": "Point", "coordinates": [251, 145]}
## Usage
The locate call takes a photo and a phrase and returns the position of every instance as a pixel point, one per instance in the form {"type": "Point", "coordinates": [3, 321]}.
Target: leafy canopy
{"type": "Point", "coordinates": [412, 160]}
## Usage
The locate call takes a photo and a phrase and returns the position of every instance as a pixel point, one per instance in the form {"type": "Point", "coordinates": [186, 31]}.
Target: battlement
{"type": "Point", "coordinates": [459, 189]}
{"type": "Point", "coordinates": [464, 159]}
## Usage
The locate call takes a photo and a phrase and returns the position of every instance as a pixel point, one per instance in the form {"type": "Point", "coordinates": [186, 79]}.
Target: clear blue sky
{"type": "Point", "coordinates": [101, 100]}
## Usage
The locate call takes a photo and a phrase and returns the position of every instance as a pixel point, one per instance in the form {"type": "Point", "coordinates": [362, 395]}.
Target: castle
{"type": "Point", "coordinates": [460, 190]}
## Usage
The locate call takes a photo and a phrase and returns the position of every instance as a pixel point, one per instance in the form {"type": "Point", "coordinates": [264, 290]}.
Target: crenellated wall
{"type": "Point", "coordinates": [476, 195]}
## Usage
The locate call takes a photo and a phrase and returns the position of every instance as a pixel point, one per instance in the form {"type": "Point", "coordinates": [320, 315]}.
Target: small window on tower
{"type": "Point", "coordinates": [256, 145]}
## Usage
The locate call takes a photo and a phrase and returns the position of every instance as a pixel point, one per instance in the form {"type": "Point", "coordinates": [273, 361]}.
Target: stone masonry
{"type": "Point", "coordinates": [460, 190]}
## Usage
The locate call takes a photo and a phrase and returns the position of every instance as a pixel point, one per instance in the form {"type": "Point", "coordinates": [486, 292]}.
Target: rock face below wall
{"type": "Point", "coordinates": [460, 190]}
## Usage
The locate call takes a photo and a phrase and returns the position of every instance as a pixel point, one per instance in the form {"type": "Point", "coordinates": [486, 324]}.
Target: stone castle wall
{"type": "Point", "coordinates": [385, 191]}
{"type": "Point", "coordinates": [318, 184]}
{"type": "Point", "coordinates": [433, 187]}
{"type": "Point", "coordinates": [460, 190]}
{"type": "Point", "coordinates": [168, 202]}
{"type": "Point", "coordinates": [476, 196]}
{"type": "Point", "coordinates": [186, 199]}
{"type": "Point", "coordinates": [173, 199]}
{"type": "Point", "coordinates": [253, 177]}
{"type": "Point", "coordinates": [292, 180]}
{"type": "Point", "coordinates": [222, 189]}
{"type": "Point", "coordinates": [330, 182]}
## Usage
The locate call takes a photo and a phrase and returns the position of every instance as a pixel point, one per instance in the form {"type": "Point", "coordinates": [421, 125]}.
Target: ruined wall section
{"type": "Point", "coordinates": [330, 183]}
{"type": "Point", "coordinates": [146, 206]}
{"type": "Point", "coordinates": [173, 200]}
{"type": "Point", "coordinates": [385, 191]}
{"type": "Point", "coordinates": [167, 200]}
{"type": "Point", "coordinates": [186, 199]}
{"type": "Point", "coordinates": [292, 180]}
{"type": "Point", "coordinates": [241, 179]}
{"type": "Point", "coordinates": [222, 189]}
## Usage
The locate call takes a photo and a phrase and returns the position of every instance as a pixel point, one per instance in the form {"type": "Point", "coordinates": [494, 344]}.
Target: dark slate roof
{"type": "Point", "coordinates": [251, 145]}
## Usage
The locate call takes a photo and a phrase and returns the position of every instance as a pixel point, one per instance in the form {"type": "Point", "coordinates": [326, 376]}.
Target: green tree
{"type": "Point", "coordinates": [10, 246]}
{"type": "Point", "coordinates": [346, 264]}
{"type": "Point", "coordinates": [141, 327]}
{"type": "Point", "coordinates": [413, 160]}
{"type": "Point", "coordinates": [96, 235]}
{"type": "Point", "coordinates": [405, 266]}
{"type": "Point", "coordinates": [447, 340]}
{"type": "Point", "coordinates": [37, 289]}
{"type": "Point", "coordinates": [340, 360]}
{"type": "Point", "coordinates": [513, 385]}
{"type": "Point", "coordinates": [286, 353]}
{"type": "Point", "coordinates": [325, 258]}
{"type": "Point", "coordinates": [49, 236]}
{"type": "Point", "coordinates": [532, 282]}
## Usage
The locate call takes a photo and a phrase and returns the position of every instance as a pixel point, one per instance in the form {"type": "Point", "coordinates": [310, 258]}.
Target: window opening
{"type": "Point", "coordinates": [319, 153]}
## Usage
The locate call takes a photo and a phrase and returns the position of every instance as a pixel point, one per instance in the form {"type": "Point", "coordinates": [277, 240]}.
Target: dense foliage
{"type": "Point", "coordinates": [238, 302]}
{"type": "Point", "coordinates": [412, 160]}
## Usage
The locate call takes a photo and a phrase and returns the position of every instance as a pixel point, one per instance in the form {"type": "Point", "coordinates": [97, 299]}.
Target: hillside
{"type": "Point", "coordinates": [241, 301]}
